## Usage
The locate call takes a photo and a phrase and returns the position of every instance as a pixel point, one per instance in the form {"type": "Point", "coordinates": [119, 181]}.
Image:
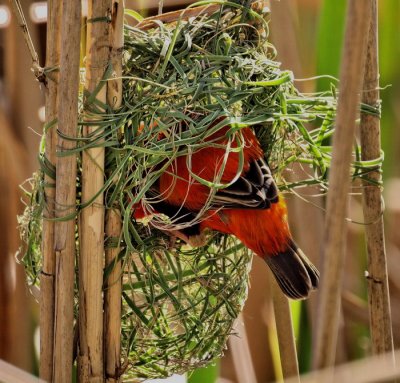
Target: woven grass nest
{"type": "Point", "coordinates": [180, 303]}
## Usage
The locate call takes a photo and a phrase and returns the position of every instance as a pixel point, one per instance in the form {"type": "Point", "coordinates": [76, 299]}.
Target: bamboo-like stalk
{"type": "Point", "coordinates": [112, 295]}
{"type": "Point", "coordinates": [286, 43]}
{"type": "Point", "coordinates": [305, 219]}
{"type": "Point", "coordinates": [112, 301]}
{"type": "Point", "coordinates": [309, 234]}
{"type": "Point", "coordinates": [333, 252]}
{"type": "Point", "coordinates": [64, 236]}
{"type": "Point", "coordinates": [378, 289]}
{"type": "Point", "coordinates": [258, 327]}
{"type": "Point", "coordinates": [239, 346]}
{"type": "Point", "coordinates": [114, 90]}
{"type": "Point", "coordinates": [15, 334]}
{"type": "Point", "coordinates": [12, 374]}
{"type": "Point", "coordinates": [284, 328]}
{"type": "Point", "coordinates": [49, 259]}
{"type": "Point", "coordinates": [378, 368]}
{"type": "Point", "coordinates": [91, 260]}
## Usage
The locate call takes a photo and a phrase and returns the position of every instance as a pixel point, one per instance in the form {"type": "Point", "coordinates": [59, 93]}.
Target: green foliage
{"type": "Point", "coordinates": [329, 40]}
{"type": "Point", "coordinates": [207, 374]}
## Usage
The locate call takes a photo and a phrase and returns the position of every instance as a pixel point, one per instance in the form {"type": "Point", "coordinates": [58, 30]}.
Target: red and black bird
{"type": "Point", "coordinates": [250, 208]}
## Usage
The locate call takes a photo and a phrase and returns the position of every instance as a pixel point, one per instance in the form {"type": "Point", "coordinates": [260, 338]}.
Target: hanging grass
{"type": "Point", "coordinates": [182, 82]}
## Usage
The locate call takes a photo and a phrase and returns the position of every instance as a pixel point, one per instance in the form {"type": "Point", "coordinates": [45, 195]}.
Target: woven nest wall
{"type": "Point", "coordinates": [183, 81]}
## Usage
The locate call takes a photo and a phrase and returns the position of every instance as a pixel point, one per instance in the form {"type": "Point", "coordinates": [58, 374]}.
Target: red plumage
{"type": "Point", "coordinates": [249, 208]}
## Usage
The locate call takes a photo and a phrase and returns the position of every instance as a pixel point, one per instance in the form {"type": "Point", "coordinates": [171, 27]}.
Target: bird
{"type": "Point", "coordinates": [246, 204]}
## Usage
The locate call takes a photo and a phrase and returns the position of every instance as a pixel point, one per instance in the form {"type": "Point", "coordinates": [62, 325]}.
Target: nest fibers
{"type": "Point", "coordinates": [180, 78]}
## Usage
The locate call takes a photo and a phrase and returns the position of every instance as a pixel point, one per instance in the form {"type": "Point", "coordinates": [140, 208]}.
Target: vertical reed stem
{"type": "Point", "coordinates": [305, 220]}
{"type": "Point", "coordinates": [241, 355]}
{"type": "Point", "coordinates": [112, 300]}
{"type": "Point", "coordinates": [112, 295]}
{"type": "Point", "coordinates": [284, 328]}
{"type": "Point", "coordinates": [378, 289]}
{"type": "Point", "coordinates": [66, 193]}
{"type": "Point", "coordinates": [49, 258]}
{"type": "Point", "coordinates": [353, 62]}
{"type": "Point", "coordinates": [91, 260]}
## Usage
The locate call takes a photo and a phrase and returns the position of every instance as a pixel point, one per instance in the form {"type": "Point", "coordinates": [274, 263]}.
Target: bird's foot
{"type": "Point", "coordinates": [172, 241]}
{"type": "Point", "coordinates": [193, 240]}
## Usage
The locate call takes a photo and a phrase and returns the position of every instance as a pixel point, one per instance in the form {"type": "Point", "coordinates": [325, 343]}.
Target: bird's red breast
{"type": "Point", "coordinates": [266, 232]}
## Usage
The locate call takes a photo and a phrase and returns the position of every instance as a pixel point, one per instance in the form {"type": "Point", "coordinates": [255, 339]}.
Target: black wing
{"type": "Point", "coordinates": [254, 190]}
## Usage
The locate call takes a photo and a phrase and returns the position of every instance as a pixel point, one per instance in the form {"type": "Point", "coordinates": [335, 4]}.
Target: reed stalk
{"type": "Point", "coordinates": [91, 260]}
{"type": "Point", "coordinates": [378, 368]}
{"type": "Point", "coordinates": [333, 251]}
{"type": "Point", "coordinates": [241, 355]}
{"type": "Point", "coordinates": [378, 289]}
{"type": "Point", "coordinates": [113, 287]}
{"type": "Point", "coordinates": [305, 219]}
{"type": "Point", "coordinates": [284, 329]}
{"type": "Point", "coordinates": [15, 334]}
{"type": "Point", "coordinates": [307, 235]}
{"type": "Point", "coordinates": [64, 235]}
{"type": "Point", "coordinates": [12, 374]}
{"type": "Point", "coordinates": [49, 259]}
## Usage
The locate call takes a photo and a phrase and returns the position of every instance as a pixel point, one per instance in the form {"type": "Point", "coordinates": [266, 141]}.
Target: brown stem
{"type": "Point", "coordinates": [284, 328]}
{"type": "Point", "coordinates": [241, 355]}
{"type": "Point", "coordinates": [378, 289]}
{"type": "Point", "coordinates": [378, 368]}
{"type": "Point", "coordinates": [333, 252]}
{"type": "Point", "coordinates": [91, 260]}
{"type": "Point", "coordinates": [305, 219]}
{"type": "Point", "coordinates": [113, 284]}
{"type": "Point", "coordinates": [112, 301]}
{"type": "Point", "coordinates": [49, 258]}
{"type": "Point", "coordinates": [66, 193]}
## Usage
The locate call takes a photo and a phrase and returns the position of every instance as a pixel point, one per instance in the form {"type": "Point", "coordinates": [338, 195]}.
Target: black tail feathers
{"type": "Point", "coordinates": [294, 272]}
